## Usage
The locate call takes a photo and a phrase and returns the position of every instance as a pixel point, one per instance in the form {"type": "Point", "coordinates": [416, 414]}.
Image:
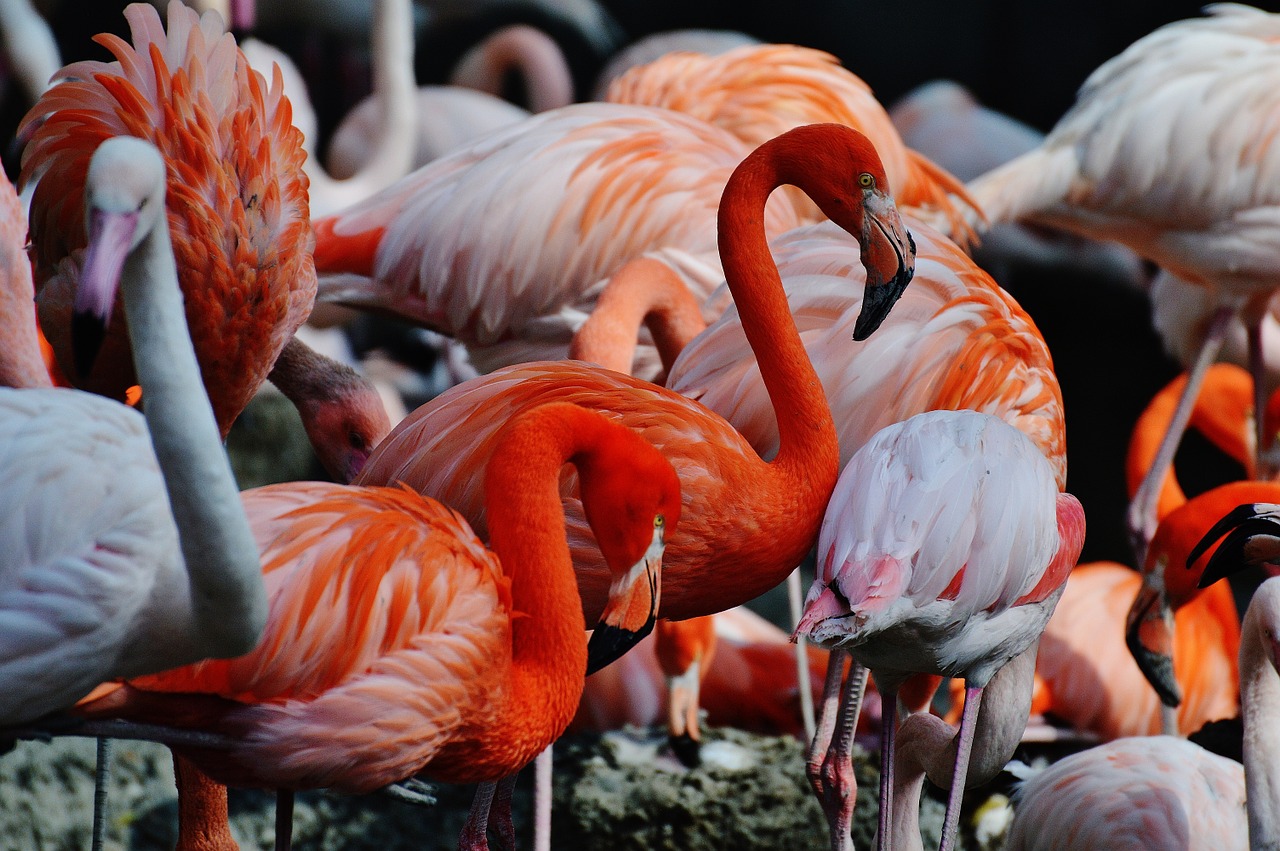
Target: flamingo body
{"type": "Point", "coordinates": [929, 562]}
{"type": "Point", "coordinates": [501, 242]}
{"type": "Point", "coordinates": [237, 199]}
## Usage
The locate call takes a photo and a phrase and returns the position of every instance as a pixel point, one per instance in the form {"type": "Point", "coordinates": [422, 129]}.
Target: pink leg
{"type": "Point", "coordinates": [826, 722]}
{"type": "Point", "coordinates": [835, 782]}
{"type": "Point", "coordinates": [1142, 509]}
{"type": "Point", "coordinates": [475, 833]}
{"type": "Point", "coordinates": [964, 749]}
{"type": "Point", "coordinates": [542, 801]}
{"type": "Point", "coordinates": [888, 725]}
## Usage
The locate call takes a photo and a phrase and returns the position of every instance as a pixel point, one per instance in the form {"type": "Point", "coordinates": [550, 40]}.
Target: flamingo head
{"type": "Point", "coordinates": [124, 202]}
{"type": "Point", "coordinates": [632, 508]}
{"type": "Point", "coordinates": [344, 424]}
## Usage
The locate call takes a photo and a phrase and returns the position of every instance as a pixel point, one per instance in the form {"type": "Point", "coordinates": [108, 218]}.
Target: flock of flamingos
{"type": "Point", "coordinates": [722, 317]}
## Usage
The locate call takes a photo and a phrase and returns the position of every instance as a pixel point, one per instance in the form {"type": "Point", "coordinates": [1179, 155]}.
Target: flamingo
{"type": "Point", "coordinates": [739, 511]}
{"type": "Point", "coordinates": [503, 244]}
{"type": "Point", "coordinates": [961, 579]}
{"type": "Point", "coordinates": [29, 46]}
{"type": "Point", "coordinates": [759, 90]}
{"type": "Point", "coordinates": [1160, 791]}
{"type": "Point", "coordinates": [147, 561]}
{"type": "Point", "coordinates": [644, 50]}
{"type": "Point", "coordinates": [524, 50]}
{"type": "Point", "coordinates": [454, 662]}
{"type": "Point", "coordinates": [1167, 150]}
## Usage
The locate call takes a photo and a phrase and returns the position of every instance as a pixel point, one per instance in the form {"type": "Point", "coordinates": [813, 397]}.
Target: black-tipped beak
{"type": "Point", "coordinates": [610, 643]}
{"type": "Point", "coordinates": [110, 238]}
{"type": "Point", "coordinates": [1150, 640]}
{"type": "Point", "coordinates": [889, 257]}
{"type": "Point", "coordinates": [1247, 528]}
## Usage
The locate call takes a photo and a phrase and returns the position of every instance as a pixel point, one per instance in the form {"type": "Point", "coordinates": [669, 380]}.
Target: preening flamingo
{"type": "Point", "coordinates": [745, 523]}
{"type": "Point", "coordinates": [760, 90]}
{"type": "Point", "coordinates": [397, 645]}
{"type": "Point", "coordinates": [236, 201]}
{"type": "Point", "coordinates": [943, 551]}
{"type": "Point", "coordinates": [1168, 149]}
{"type": "Point", "coordinates": [132, 554]}
{"type": "Point", "coordinates": [504, 243]}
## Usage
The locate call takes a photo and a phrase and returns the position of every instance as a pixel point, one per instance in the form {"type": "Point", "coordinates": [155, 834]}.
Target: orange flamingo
{"type": "Point", "coordinates": [504, 243]}
{"type": "Point", "coordinates": [237, 206]}
{"type": "Point", "coordinates": [757, 91]}
{"type": "Point", "coordinates": [454, 663]}
{"type": "Point", "coordinates": [747, 523]}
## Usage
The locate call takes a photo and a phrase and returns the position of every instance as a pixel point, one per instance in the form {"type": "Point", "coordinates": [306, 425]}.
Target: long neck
{"type": "Point", "coordinates": [927, 746]}
{"type": "Point", "coordinates": [808, 447]}
{"type": "Point", "coordinates": [1260, 699]}
{"type": "Point", "coordinates": [548, 82]}
{"type": "Point", "coordinates": [644, 291]}
{"type": "Point", "coordinates": [395, 91]}
{"type": "Point", "coordinates": [527, 531]}
{"type": "Point", "coordinates": [227, 595]}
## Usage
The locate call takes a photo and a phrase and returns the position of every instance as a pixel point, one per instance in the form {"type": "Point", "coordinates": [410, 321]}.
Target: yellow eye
{"type": "Point", "coordinates": [866, 181]}
{"type": "Point", "coordinates": [659, 521]}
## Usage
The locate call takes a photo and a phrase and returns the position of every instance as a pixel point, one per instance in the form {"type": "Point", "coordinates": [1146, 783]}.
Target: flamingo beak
{"type": "Point", "coordinates": [1252, 538]}
{"type": "Point", "coordinates": [631, 610]}
{"type": "Point", "coordinates": [1149, 636]}
{"type": "Point", "coordinates": [110, 237]}
{"type": "Point", "coordinates": [889, 256]}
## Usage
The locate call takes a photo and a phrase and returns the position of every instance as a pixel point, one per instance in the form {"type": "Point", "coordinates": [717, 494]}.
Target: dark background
{"type": "Point", "coordinates": [1025, 59]}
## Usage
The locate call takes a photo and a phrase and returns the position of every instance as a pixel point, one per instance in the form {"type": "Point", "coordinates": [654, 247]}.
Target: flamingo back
{"type": "Point", "coordinates": [497, 239]}
{"type": "Point", "coordinates": [955, 340]}
{"type": "Point", "coordinates": [347, 629]}
{"type": "Point", "coordinates": [236, 197]}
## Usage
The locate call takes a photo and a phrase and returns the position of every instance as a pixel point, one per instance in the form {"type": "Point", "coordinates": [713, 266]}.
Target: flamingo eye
{"type": "Point", "coordinates": [659, 522]}
{"type": "Point", "coordinates": [866, 180]}
{"type": "Point", "coordinates": [355, 439]}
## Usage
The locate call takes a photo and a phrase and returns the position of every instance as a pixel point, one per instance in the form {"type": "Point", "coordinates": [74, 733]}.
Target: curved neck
{"type": "Point", "coordinates": [927, 747]}
{"type": "Point", "coordinates": [227, 596]}
{"type": "Point", "coordinates": [527, 531]}
{"type": "Point", "coordinates": [395, 92]}
{"type": "Point", "coordinates": [1260, 700]}
{"type": "Point", "coordinates": [21, 362]}
{"type": "Point", "coordinates": [807, 443]}
{"type": "Point", "coordinates": [548, 83]}
{"type": "Point", "coordinates": [644, 291]}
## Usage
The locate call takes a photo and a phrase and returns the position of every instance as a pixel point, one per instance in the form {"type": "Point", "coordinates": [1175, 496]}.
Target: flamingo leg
{"type": "Point", "coordinates": [1142, 510]}
{"type": "Point", "coordinates": [202, 810]}
{"type": "Point", "coordinates": [500, 815]}
{"type": "Point", "coordinates": [542, 791]}
{"type": "Point", "coordinates": [839, 786]}
{"type": "Point", "coordinates": [795, 604]}
{"type": "Point", "coordinates": [1264, 461]}
{"type": "Point", "coordinates": [964, 749]}
{"type": "Point", "coordinates": [100, 794]}
{"type": "Point", "coordinates": [682, 714]}
{"type": "Point", "coordinates": [475, 833]}
{"type": "Point", "coordinates": [826, 721]}
{"type": "Point", "coordinates": [888, 721]}
{"type": "Point", "coordinates": [284, 819]}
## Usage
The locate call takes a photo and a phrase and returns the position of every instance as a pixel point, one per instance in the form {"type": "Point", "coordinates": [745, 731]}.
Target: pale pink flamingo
{"type": "Point", "coordinates": [29, 46]}
{"type": "Point", "coordinates": [1168, 149]}
{"type": "Point", "coordinates": [132, 553]}
{"type": "Point", "coordinates": [644, 50]}
{"type": "Point", "coordinates": [505, 243]}
{"type": "Point", "coordinates": [236, 201]}
{"type": "Point", "coordinates": [1159, 792]}
{"type": "Point", "coordinates": [397, 645]}
{"type": "Point", "coordinates": [759, 90]}
{"type": "Point", "coordinates": [943, 551]}
{"type": "Point", "coordinates": [735, 513]}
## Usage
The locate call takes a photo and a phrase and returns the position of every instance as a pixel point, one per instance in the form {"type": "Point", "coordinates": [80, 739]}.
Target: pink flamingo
{"type": "Point", "coordinates": [236, 202]}
{"type": "Point", "coordinates": [960, 579]}
{"type": "Point", "coordinates": [504, 244]}
{"type": "Point", "coordinates": [132, 554]}
{"type": "Point", "coordinates": [1162, 151]}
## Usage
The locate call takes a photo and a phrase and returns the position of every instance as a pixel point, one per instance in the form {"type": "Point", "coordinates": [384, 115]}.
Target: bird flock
{"type": "Point", "coordinates": [727, 317]}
